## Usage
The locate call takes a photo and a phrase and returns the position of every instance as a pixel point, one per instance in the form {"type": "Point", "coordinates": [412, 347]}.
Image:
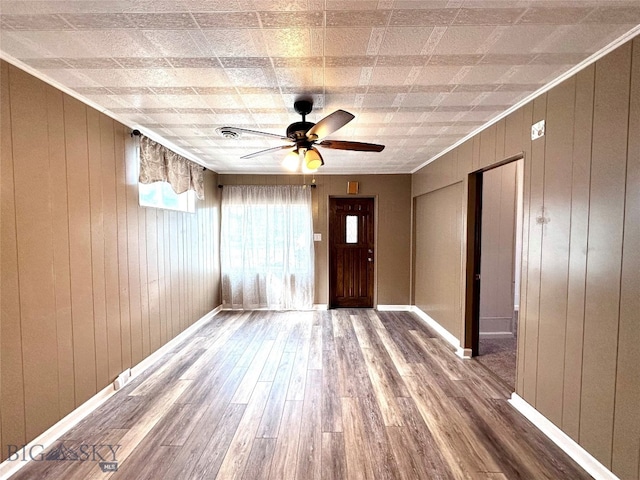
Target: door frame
{"type": "Point", "coordinates": [473, 253]}
{"type": "Point", "coordinates": [375, 245]}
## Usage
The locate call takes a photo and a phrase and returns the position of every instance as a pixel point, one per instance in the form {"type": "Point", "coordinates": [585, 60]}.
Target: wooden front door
{"type": "Point", "coordinates": [351, 252]}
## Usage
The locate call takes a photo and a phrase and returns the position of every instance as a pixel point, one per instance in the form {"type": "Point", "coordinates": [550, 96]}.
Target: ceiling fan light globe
{"type": "Point", "coordinates": [312, 160]}
{"type": "Point", "coordinates": [291, 161]}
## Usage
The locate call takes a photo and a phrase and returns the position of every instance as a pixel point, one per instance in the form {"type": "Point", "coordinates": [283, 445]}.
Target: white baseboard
{"type": "Point", "coordinates": [566, 443]}
{"type": "Point", "coordinates": [316, 306]}
{"type": "Point", "coordinates": [394, 308]}
{"type": "Point", "coordinates": [443, 332]}
{"type": "Point", "coordinates": [153, 358]}
{"type": "Point", "coordinates": [48, 437]}
{"type": "Point", "coordinates": [464, 353]}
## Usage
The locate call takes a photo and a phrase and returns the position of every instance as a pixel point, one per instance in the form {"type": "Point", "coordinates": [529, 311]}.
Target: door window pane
{"type": "Point", "coordinates": [352, 229]}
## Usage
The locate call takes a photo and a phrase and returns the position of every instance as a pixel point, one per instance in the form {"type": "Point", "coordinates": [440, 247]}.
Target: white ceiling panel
{"type": "Point", "coordinates": [171, 43]}
{"type": "Point", "coordinates": [525, 38]}
{"type": "Point", "coordinates": [405, 40]}
{"type": "Point", "coordinates": [502, 98]}
{"type": "Point", "coordinates": [219, 101]}
{"type": "Point", "coordinates": [422, 100]}
{"type": "Point", "coordinates": [390, 76]}
{"type": "Point", "coordinates": [436, 75]}
{"type": "Point", "coordinates": [479, 116]}
{"type": "Point", "coordinates": [486, 74]}
{"type": "Point", "coordinates": [534, 73]}
{"type": "Point", "coordinates": [262, 101]}
{"type": "Point", "coordinates": [235, 42]}
{"type": "Point", "coordinates": [288, 42]}
{"type": "Point", "coordinates": [299, 77]}
{"type": "Point", "coordinates": [95, 77]}
{"type": "Point", "coordinates": [342, 76]}
{"type": "Point", "coordinates": [145, 101]}
{"type": "Point", "coordinates": [245, 120]}
{"type": "Point", "coordinates": [582, 38]}
{"type": "Point", "coordinates": [346, 42]}
{"type": "Point", "coordinates": [270, 122]}
{"type": "Point", "coordinates": [418, 75]}
{"type": "Point", "coordinates": [463, 39]}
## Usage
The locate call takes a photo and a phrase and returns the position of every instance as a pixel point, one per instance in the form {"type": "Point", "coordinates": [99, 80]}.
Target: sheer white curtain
{"type": "Point", "coordinates": [267, 247]}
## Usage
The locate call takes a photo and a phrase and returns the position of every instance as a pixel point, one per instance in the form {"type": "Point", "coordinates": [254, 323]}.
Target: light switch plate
{"type": "Point", "coordinates": [537, 130]}
{"type": "Point", "coordinates": [317, 237]}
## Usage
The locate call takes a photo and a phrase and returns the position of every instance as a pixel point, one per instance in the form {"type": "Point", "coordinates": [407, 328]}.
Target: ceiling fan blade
{"type": "Point", "coordinates": [239, 130]}
{"type": "Point", "coordinates": [329, 124]}
{"type": "Point", "coordinates": [268, 150]}
{"type": "Point", "coordinates": [359, 146]}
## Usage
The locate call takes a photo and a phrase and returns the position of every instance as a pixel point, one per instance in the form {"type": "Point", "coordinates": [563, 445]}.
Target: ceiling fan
{"type": "Point", "coordinates": [303, 137]}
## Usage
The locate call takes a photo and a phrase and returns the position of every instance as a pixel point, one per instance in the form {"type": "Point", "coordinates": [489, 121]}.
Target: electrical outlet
{"type": "Point", "coordinates": [122, 379]}
{"type": "Point", "coordinates": [537, 130]}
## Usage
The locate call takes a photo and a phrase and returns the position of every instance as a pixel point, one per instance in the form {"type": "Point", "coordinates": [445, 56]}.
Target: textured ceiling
{"type": "Point", "coordinates": [418, 75]}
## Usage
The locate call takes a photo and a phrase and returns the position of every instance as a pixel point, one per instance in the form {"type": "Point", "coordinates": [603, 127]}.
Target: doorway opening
{"type": "Point", "coordinates": [351, 252]}
{"type": "Point", "coordinates": [496, 264]}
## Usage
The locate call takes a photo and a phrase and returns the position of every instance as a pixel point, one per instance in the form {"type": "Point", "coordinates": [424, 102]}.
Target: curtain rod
{"type": "Point", "coordinates": [137, 133]}
{"type": "Point", "coordinates": [312, 185]}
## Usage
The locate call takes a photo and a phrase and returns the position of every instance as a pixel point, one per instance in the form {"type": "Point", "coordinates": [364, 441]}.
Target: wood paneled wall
{"type": "Point", "coordinates": [91, 282]}
{"type": "Point", "coordinates": [579, 321]}
{"type": "Point", "coordinates": [393, 225]}
{"type": "Point", "coordinates": [438, 226]}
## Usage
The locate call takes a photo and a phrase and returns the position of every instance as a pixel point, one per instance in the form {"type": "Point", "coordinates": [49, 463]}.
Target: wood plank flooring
{"type": "Point", "coordinates": [332, 395]}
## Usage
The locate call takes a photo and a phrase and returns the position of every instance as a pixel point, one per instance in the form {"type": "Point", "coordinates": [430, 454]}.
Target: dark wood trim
{"type": "Point", "coordinates": [473, 254]}
{"type": "Point", "coordinates": [472, 274]}
{"type": "Point", "coordinates": [512, 158]}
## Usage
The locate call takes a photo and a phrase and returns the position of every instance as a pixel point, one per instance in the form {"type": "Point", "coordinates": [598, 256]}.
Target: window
{"type": "Point", "coordinates": [266, 247]}
{"type": "Point", "coordinates": [161, 195]}
{"type": "Point", "coordinates": [352, 229]}
{"type": "Point", "coordinates": [163, 173]}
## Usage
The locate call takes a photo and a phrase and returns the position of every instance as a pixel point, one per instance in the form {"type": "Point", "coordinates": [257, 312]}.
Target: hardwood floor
{"type": "Point", "coordinates": [340, 394]}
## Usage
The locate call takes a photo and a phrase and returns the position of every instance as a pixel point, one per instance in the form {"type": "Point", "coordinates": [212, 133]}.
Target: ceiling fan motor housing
{"type": "Point", "coordinates": [298, 130]}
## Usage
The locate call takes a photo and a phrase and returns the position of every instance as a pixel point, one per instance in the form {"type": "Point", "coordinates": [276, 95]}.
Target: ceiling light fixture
{"type": "Point", "coordinates": [291, 161]}
{"type": "Point", "coordinates": [312, 160]}
{"type": "Point", "coordinates": [303, 136]}
{"type": "Point", "coordinates": [307, 160]}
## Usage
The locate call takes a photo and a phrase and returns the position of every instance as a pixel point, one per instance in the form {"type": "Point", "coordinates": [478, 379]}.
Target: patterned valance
{"type": "Point", "coordinates": [159, 164]}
